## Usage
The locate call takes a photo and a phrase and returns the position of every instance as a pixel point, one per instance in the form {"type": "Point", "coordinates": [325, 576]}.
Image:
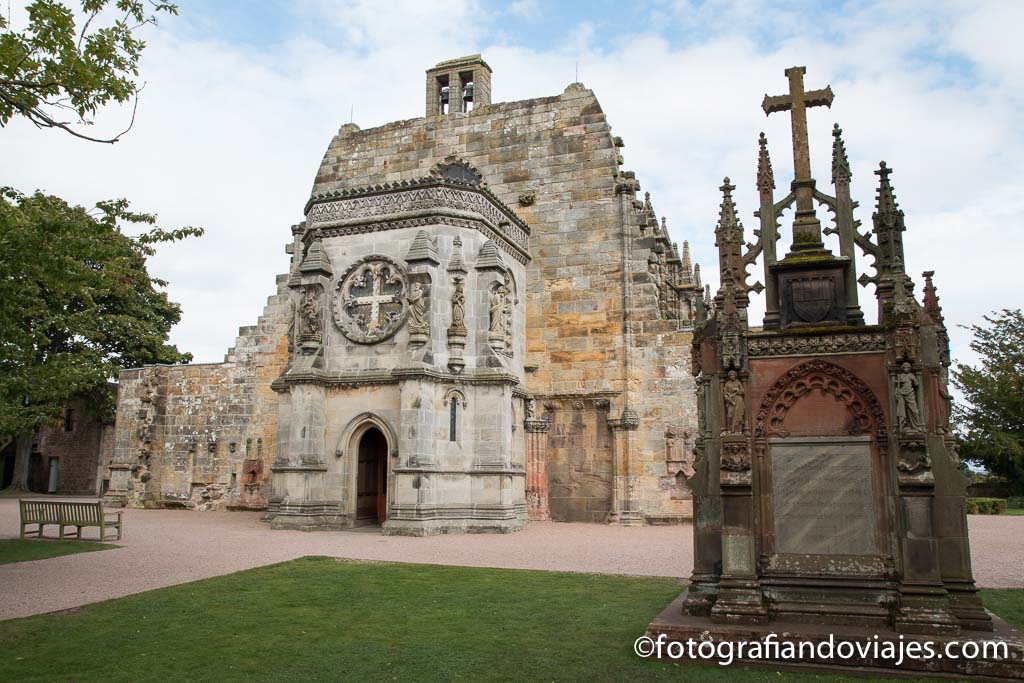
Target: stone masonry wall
{"type": "Point", "coordinates": [203, 436]}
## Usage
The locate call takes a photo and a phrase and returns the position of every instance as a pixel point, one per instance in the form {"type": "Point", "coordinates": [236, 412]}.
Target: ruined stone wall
{"type": "Point", "coordinates": [556, 163]}
{"type": "Point", "coordinates": [203, 436]}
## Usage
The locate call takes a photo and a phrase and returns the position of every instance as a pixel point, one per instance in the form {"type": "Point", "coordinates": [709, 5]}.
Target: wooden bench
{"type": "Point", "coordinates": [67, 514]}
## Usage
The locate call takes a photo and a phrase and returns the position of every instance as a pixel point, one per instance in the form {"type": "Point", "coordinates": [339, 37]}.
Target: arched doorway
{"type": "Point", "coordinates": [372, 478]}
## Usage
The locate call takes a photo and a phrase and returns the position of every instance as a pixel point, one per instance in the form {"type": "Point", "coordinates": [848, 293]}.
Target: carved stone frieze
{"type": "Point", "coordinates": [801, 345]}
{"type": "Point", "coordinates": [735, 456]}
{"type": "Point", "coordinates": [414, 198]}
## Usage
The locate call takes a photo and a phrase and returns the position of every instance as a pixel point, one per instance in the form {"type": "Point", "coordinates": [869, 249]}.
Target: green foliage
{"type": "Point", "coordinates": [53, 69]}
{"type": "Point", "coordinates": [24, 550]}
{"type": "Point", "coordinates": [1015, 502]}
{"type": "Point", "coordinates": [991, 419]}
{"type": "Point", "coordinates": [986, 506]}
{"type": "Point", "coordinates": [77, 304]}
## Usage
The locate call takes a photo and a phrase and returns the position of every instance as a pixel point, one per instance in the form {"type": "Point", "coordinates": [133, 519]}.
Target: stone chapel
{"type": "Point", "coordinates": [483, 323]}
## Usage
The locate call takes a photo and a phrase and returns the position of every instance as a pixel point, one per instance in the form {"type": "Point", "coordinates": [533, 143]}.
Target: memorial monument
{"type": "Point", "coordinates": [827, 496]}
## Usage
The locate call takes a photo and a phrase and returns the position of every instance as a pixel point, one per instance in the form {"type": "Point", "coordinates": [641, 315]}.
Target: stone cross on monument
{"type": "Point", "coordinates": [806, 227]}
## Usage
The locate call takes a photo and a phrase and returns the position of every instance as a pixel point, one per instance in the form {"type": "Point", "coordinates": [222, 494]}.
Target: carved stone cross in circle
{"type": "Point", "coordinates": [377, 274]}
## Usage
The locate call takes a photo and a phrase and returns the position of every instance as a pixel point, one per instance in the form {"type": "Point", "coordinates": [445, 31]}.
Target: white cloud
{"type": "Point", "coordinates": [230, 136]}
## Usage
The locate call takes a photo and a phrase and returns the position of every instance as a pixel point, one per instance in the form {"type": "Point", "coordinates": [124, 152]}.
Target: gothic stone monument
{"type": "Point", "coordinates": [828, 493]}
{"type": "Point", "coordinates": [483, 322]}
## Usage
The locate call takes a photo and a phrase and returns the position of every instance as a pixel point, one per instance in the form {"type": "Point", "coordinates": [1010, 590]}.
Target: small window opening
{"type": "Point", "coordinates": [453, 418]}
{"type": "Point", "coordinates": [69, 420]}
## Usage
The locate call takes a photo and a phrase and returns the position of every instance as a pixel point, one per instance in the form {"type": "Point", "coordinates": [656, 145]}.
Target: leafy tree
{"type": "Point", "coordinates": [991, 419]}
{"type": "Point", "coordinates": [77, 305]}
{"type": "Point", "coordinates": [54, 70]}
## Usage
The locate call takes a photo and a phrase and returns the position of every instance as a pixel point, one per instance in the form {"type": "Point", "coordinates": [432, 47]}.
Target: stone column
{"type": "Point", "coordinates": [707, 512]}
{"type": "Point", "coordinates": [537, 468]}
{"type": "Point", "coordinates": [625, 506]}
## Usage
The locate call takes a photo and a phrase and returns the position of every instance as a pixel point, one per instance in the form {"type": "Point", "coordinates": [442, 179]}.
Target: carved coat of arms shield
{"type": "Point", "coordinates": [812, 298]}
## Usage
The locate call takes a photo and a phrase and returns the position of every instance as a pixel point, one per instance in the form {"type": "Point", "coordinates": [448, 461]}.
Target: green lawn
{"type": "Point", "coordinates": [324, 619]}
{"type": "Point", "coordinates": [22, 550]}
{"type": "Point", "coordinates": [1014, 511]}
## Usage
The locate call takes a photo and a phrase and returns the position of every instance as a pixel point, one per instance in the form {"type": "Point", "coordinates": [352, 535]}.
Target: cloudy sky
{"type": "Point", "coordinates": [242, 98]}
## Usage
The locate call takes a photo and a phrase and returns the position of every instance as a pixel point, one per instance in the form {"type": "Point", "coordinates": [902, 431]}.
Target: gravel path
{"type": "Point", "coordinates": [169, 547]}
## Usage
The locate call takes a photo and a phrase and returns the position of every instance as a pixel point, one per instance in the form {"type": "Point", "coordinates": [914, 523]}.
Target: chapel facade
{"type": "Point", "coordinates": [483, 324]}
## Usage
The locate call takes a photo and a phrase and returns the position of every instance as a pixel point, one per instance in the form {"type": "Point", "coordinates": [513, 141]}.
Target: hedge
{"type": "Point", "coordinates": [986, 506]}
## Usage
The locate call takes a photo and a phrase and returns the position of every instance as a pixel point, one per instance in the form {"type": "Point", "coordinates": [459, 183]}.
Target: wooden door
{"type": "Point", "coordinates": [371, 478]}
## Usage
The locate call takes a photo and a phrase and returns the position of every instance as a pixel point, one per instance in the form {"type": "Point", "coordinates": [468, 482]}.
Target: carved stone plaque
{"type": "Point", "coordinates": [370, 304]}
{"type": "Point", "coordinates": [822, 497]}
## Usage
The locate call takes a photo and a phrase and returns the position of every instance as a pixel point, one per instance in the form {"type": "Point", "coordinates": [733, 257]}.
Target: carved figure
{"type": "Point", "coordinates": [417, 307]}
{"type": "Point", "coordinates": [309, 320]}
{"type": "Point", "coordinates": [946, 405]}
{"type": "Point", "coordinates": [735, 403]}
{"type": "Point", "coordinates": [908, 413]}
{"type": "Point", "coordinates": [497, 308]}
{"type": "Point", "coordinates": [459, 304]}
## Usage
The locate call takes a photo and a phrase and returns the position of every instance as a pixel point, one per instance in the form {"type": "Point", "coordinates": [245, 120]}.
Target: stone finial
{"type": "Point", "coordinates": [696, 275]}
{"type": "Point", "coordinates": [840, 164]}
{"type": "Point", "coordinates": [687, 267]}
{"type": "Point", "coordinates": [423, 249]}
{"type": "Point", "coordinates": [931, 299]}
{"type": "Point", "coordinates": [489, 258]}
{"type": "Point", "coordinates": [316, 261]}
{"type": "Point", "coordinates": [729, 227]}
{"type": "Point", "coordinates": [765, 175]}
{"type": "Point", "coordinates": [888, 224]}
{"type": "Point", "coordinates": [455, 263]}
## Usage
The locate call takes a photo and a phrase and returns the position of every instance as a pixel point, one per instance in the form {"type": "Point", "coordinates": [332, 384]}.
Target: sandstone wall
{"type": "Point", "coordinates": [203, 436]}
{"type": "Point", "coordinates": [556, 163]}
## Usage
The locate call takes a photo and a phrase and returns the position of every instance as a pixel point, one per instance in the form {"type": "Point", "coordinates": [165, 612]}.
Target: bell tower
{"type": "Point", "coordinates": [458, 86]}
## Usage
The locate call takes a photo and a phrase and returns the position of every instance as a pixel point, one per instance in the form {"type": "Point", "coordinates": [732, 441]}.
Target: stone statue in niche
{"type": "Point", "coordinates": [252, 474]}
{"type": "Point", "coordinates": [531, 409]}
{"type": "Point", "coordinates": [689, 445]}
{"type": "Point", "coordinates": [946, 404]}
{"type": "Point", "coordinates": [702, 416]}
{"type": "Point", "coordinates": [459, 304]}
{"type": "Point", "coordinates": [908, 413]}
{"type": "Point", "coordinates": [497, 310]}
{"type": "Point", "coordinates": [309, 316]}
{"type": "Point", "coordinates": [418, 322]}
{"type": "Point", "coordinates": [735, 403]}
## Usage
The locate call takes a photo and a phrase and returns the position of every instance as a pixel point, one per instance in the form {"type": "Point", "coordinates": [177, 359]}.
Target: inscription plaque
{"type": "Point", "coordinates": [822, 498]}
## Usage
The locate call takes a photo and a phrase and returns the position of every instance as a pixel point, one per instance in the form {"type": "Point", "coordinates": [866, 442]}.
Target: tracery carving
{"type": "Point", "coordinates": [371, 302]}
{"type": "Point", "coordinates": [826, 377]}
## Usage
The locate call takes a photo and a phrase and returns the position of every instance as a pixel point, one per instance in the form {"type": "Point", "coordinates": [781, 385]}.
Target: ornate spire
{"type": "Point", "coordinates": [765, 176]}
{"type": "Point", "coordinates": [729, 240]}
{"type": "Point", "coordinates": [687, 266]}
{"type": "Point", "coordinates": [696, 275]}
{"type": "Point", "coordinates": [840, 164]}
{"type": "Point", "coordinates": [931, 300]}
{"type": "Point", "coordinates": [888, 225]}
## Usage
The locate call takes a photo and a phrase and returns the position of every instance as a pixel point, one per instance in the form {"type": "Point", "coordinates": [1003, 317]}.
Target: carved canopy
{"type": "Point", "coordinates": [864, 408]}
